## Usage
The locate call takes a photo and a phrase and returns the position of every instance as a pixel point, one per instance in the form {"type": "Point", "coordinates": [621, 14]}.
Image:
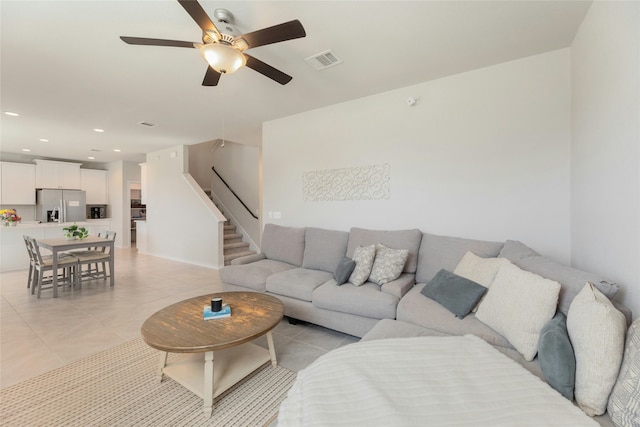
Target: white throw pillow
{"type": "Point", "coordinates": [363, 256]}
{"type": "Point", "coordinates": [388, 264]}
{"type": "Point", "coordinates": [518, 305]}
{"type": "Point", "coordinates": [480, 270]}
{"type": "Point", "coordinates": [624, 402]}
{"type": "Point", "coordinates": [596, 329]}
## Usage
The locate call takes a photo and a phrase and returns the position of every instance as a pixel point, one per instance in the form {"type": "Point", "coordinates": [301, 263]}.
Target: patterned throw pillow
{"type": "Point", "coordinates": [388, 264]}
{"type": "Point", "coordinates": [624, 402]}
{"type": "Point", "coordinates": [363, 256]}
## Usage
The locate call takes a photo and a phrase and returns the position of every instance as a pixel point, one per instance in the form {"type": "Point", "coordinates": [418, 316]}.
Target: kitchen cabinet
{"type": "Point", "coordinates": [94, 182]}
{"type": "Point", "coordinates": [18, 184]}
{"type": "Point", "coordinates": [53, 174]}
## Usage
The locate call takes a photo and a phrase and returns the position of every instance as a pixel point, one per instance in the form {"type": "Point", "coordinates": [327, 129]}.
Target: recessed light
{"type": "Point", "coordinates": [26, 149]}
{"type": "Point", "coordinates": [91, 158]}
{"type": "Point", "coordinates": [44, 140]}
{"type": "Point", "coordinates": [99, 130]}
{"type": "Point", "coordinates": [9, 113]}
{"type": "Point", "coordinates": [117, 150]}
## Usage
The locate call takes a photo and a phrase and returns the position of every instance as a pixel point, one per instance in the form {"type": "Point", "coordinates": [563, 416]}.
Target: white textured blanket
{"type": "Point", "coordinates": [424, 381]}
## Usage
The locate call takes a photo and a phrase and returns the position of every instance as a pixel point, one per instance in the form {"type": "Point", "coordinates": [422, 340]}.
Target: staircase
{"type": "Point", "coordinates": [234, 247]}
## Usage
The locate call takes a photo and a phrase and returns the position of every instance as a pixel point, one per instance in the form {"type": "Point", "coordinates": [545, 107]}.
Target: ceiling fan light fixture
{"type": "Point", "coordinates": [222, 58]}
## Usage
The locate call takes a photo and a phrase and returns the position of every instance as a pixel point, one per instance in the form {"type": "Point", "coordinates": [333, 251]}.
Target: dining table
{"type": "Point", "coordinates": [62, 244]}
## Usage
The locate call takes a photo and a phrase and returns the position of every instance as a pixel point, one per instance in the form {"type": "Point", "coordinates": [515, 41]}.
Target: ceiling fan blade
{"type": "Point", "coordinates": [278, 33]}
{"type": "Point", "coordinates": [155, 42]}
{"type": "Point", "coordinates": [211, 77]}
{"type": "Point", "coordinates": [267, 70]}
{"type": "Point", "coordinates": [198, 14]}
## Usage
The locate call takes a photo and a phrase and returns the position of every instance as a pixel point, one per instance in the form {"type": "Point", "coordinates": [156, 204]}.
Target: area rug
{"type": "Point", "coordinates": [118, 387]}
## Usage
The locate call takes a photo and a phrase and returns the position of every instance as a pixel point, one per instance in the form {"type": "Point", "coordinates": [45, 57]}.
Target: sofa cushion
{"type": "Point", "coordinates": [597, 332]}
{"type": "Point", "coordinates": [253, 275]}
{"type": "Point", "coordinates": [363, 256]}
{"type": "Point", "coordinates": [515, 251]}
{"type": "Point", "coordinates": [366, 300]}
{"type": "Point", "coordinates": [518, 305]}
{"type": "Point", "coordinates": [571, 279]}
{"type": "Point", "coordinates": [297, 283]}
{"type": "Point", "coordinates": [556, 357]}
{"type": "Point", "coordinates": [324, 249]}
{"type": "Point", "coordinates": [388, 264]}
{"type": "Point", "coordinates": [438, 252]}
{"type": "Point", "coordinates": [284, 244]}
{"type": "Point", "coordinates": [395, 239]}
{"type": "Point", "coordinates": [455, 293]}
{"type": "Point", "coordinates": [344, 270]}
{"type": "Point", "coordinates": [422, 311]}
{"type": "Point", "coordinates": [624, 402]}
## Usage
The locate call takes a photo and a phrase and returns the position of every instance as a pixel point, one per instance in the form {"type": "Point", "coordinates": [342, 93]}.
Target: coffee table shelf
{"type": "Point", "coordinates": [230, 366]}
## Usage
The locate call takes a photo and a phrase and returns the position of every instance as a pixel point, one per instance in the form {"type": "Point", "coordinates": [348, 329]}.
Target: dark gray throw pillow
{"type": "Point", "coordinates": [456, 293]}
{"type": "Point", "coordinates": [556, 356]}
{"type": "Point", "coordinates": [344, 270]}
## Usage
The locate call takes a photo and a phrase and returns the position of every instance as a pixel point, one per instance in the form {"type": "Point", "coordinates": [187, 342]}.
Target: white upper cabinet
{"type": "Point", "coordinates": [18, 184]}
{"type": "Point", "coordinates": [94, 182]}
{"type": "Point", "coordinates": [53, 174]}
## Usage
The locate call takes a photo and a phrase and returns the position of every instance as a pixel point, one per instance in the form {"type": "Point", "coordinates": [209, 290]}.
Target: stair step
{"type": "Point", "coordinates": [230, 257]}
{"type": "Point", "coordinates": [232, 248]}
{"type": "Point", "coordinates": [231, 236]}
{"type": "Point", "coordinates": [230, 228]}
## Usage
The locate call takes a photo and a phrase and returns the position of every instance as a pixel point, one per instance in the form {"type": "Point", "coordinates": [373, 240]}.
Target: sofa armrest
{"type": "Point", "coordinates": [248, 259]}
{"type": "Point", "coordinates": [399, 287]}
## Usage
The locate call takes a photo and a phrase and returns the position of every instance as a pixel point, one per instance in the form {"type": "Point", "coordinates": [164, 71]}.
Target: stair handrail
{"type": "Point", "coordinates": [233, 192]}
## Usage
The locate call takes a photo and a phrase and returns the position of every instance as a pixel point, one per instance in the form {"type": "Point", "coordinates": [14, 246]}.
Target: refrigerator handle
{"type": "Point", "coordinates": [64, 211]}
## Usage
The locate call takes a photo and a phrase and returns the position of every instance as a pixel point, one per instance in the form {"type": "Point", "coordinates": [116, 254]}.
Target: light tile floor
{"type": "Point", "coordinates": [38, 335]}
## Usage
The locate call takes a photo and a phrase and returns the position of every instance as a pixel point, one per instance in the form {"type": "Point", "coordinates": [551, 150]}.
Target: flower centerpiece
{"type": "Point", "coordinates": [9, 217]}
{"type": "Point", "coordinates": [73, 232]}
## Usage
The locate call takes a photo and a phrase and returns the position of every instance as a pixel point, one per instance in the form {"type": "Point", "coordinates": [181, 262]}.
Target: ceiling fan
{"type": "Point", "coordinates": [223, 46]}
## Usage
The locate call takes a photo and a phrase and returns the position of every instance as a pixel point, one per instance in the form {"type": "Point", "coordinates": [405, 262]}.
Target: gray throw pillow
{"type": "Point", "coordinates": [456, 293]}
{"type": "Point", "coordinates": [344, 270]}
{"type": "Point", "coordinates": [556, 357]}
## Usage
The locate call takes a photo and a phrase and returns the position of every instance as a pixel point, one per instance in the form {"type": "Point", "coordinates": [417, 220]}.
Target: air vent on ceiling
{"type": "Point", "coordinates": [324, 60]}
{"type": "Point", "coordinates": [148, 124]}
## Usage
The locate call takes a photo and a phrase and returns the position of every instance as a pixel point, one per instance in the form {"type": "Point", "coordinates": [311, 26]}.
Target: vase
{"type": "Point", "coordinates": [13, 223]}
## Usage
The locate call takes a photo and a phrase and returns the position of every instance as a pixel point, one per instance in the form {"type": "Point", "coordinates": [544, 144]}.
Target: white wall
{"type": "Point", "coordinates": [238, 164]}
{"type": "Point", "coordinates": [483, 154]}
{"type": "Point", "coordinates": [605, 166]}
{"type": "Point", "coordinates": [182, 222]}
{"type": "Point", "coordinates": [118, 176]}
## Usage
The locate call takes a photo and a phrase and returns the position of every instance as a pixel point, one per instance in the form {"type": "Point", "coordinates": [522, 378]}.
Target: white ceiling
{"type": "Point", "coordinates": [65, 70]}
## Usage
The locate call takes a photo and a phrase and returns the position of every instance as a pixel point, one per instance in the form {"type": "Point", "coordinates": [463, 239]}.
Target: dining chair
{"type": "Point", "coordinates": [31, 259]}
{"type": "Point", "coordinates": [95, 258]}
{"type": "Point", "coordinates": [41, 265]}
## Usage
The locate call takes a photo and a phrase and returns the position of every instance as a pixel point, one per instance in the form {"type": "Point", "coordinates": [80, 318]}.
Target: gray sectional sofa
{"type": "Point", "coordinates": [297, 265]}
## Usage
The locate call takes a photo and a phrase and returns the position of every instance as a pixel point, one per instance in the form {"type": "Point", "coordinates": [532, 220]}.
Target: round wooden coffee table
{"type": "Point", "coordinates": [181, 328]}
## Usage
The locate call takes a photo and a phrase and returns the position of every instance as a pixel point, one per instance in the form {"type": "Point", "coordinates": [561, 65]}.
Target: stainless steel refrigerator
{"type": "Point", "coordinates": [60, 205]}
